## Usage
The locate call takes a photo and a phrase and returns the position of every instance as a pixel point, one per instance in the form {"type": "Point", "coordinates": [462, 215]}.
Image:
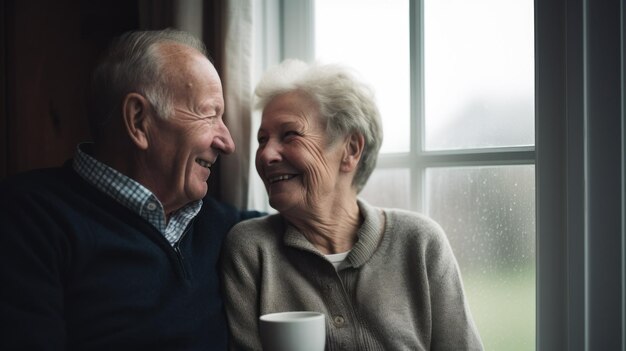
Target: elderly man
{"type": "Point", "coordinates": [117, 249]}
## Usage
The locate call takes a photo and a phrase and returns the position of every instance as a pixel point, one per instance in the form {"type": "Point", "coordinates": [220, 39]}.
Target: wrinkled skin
{"type": "Point", "coordinates": [303, 172]}
{"type": "Point", "coordinates": [179, 150]}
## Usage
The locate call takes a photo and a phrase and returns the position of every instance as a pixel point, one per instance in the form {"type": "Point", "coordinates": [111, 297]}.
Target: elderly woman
{"type": "Point", "coordinates": [385, 279]}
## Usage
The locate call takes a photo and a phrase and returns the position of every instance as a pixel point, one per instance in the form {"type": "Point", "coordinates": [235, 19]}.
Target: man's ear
{"type": "Point", "coordinates": [135, 109]}
{"type": "Point", "coordinates": [353, 150]}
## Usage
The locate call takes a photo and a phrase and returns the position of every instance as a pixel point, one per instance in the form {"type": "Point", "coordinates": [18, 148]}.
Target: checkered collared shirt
{"type": "Point", "coordinates": [133, 195]}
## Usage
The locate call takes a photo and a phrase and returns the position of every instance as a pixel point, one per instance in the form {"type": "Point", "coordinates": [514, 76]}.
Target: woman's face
{"type": "Point", "coordinates": [294, 159]}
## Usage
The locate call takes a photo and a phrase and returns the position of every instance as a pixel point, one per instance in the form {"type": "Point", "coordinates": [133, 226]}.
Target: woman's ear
{"type": "Point", "coordinates": [135, 109]}
{"type": "Point", "coordinates": [353, 150]}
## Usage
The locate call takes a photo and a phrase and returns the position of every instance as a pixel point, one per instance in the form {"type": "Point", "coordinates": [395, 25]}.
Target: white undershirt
{"type": "Point", "coordinates": [338, 260]}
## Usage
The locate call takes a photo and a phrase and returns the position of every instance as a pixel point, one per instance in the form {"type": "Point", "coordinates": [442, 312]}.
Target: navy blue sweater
{"type": "Point", "coordinates": [79, 271]}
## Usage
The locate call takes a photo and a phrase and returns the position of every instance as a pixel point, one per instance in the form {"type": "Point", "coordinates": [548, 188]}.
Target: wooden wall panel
{"type": "Point", "coordinates": [3, 91]}
{"type": "Point", "coordinates": [51, 48]}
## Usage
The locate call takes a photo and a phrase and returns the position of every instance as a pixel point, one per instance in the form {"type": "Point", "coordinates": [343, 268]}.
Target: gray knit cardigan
{"type": "Point", "coordinates": [401, 291]}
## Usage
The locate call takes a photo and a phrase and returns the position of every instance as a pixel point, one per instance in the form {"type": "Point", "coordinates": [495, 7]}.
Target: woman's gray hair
{"type": "Point", "coordinates": [132, 64]}
{"type": "Point", "coordinates": [345, 103]}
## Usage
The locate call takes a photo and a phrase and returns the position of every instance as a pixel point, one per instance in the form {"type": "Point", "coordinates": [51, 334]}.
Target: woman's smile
{"type": "Point", "coordinates": [280, 178]}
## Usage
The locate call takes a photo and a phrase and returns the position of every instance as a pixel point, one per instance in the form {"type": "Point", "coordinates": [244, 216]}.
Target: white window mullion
{"type": "Point", "coordinates": [416, 26]}
{"type": "Point", "coordinates": [487, 157]}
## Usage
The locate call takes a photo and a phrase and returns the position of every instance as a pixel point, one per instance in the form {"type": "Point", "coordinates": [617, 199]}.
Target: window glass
{"type": "Point", "coordinates": [388, 188]}
{"type": "Point", "coordinates": [372, 37]}
{"type": "Point", "coordinates": [488, 214]}
{"type": "Point", "coordinates": [478, 73]}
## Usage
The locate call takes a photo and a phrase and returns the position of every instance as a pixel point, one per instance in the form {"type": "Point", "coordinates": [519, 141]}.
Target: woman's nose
{"type": "Point", "coordinates": [269, 153]}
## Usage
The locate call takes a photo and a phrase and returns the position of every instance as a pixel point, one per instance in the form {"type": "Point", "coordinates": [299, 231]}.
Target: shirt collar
{"type": "Point", "coordinates": [132, 194]}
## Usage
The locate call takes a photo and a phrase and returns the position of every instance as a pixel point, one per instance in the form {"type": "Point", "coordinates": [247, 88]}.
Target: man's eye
{"type": "Point", "coordinates": [210, 120]}
{"type": "Point", "coordinates": [291, 133]}
{"type": "Point", "coordinates": [261, 139]}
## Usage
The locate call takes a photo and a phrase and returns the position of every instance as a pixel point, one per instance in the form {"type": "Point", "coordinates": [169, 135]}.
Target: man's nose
{"type": "Point", "coordinates": [223, 141]}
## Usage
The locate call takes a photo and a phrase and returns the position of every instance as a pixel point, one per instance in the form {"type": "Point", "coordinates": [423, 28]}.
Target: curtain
{"type": "Point", "coordinates": [228, 33]}
{"type": "Point", "coordinates": [237, 83]}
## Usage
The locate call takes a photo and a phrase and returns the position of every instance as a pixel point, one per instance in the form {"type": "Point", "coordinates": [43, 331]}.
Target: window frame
{"type": "Point", "coordinates": [421, 159]}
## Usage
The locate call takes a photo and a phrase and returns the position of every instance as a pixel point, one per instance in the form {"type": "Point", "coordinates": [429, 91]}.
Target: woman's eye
{"type": "Point", "coordinates": [291, 133]}
{"type": "Point", "coordinates": [261, 139]}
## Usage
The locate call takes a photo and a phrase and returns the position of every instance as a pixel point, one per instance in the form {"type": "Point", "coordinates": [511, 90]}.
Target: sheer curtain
{"type": "Point", "coordinates": [227, 28]}
{"type": "Point", "coordinates": [236, 73]}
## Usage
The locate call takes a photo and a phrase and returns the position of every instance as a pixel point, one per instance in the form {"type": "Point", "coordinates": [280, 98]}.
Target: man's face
{"type": "Point", "coordinates": [183, 147]}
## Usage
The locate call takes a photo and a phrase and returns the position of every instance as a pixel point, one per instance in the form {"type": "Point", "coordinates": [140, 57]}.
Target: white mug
{"type": "Point", "coordinates": [293, 331]}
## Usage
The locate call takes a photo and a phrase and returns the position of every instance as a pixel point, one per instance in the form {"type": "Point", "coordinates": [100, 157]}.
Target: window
{"type": "Point", "coordinates": [455, 85]}
{"type": "Point", "coordinates": [578, 157]}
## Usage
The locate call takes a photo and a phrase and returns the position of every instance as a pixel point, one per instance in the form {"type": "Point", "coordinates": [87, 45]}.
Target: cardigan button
{"type": "Point", "coordinates": [339, 321]}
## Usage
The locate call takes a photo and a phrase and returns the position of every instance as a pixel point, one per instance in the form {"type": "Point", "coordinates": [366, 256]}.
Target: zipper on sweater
{"type": "Point", "coordinates": [181, 261]}
{"type": "Point", "coordinates": [179, 253]}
